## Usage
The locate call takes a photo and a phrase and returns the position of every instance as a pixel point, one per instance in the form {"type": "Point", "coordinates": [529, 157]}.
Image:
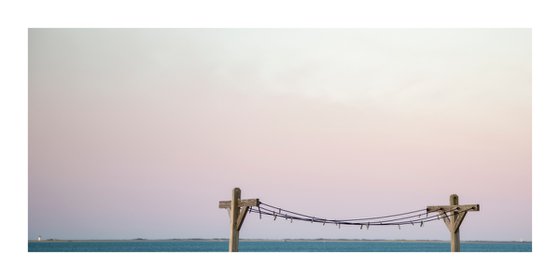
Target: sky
{"type": "Point", "coordinates": [140, 132]}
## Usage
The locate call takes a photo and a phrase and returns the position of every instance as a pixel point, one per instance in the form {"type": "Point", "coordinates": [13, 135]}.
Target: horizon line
{"type": "Point", "coordinates": [274, 239]}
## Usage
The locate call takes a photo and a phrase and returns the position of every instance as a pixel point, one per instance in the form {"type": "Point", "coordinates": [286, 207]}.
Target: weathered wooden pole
{"type": "Point", "coordinates": [455, 240]}
{"type": "Point", "coordinates": [454, 219]}
{"type": "Point", "coordinates": [234, 232]}
{"type": "Point", "coordinates": [238, 211]}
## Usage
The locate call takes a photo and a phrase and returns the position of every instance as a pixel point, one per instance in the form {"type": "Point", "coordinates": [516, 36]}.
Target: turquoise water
{"type": "Point", "coordinates": [272, 246]}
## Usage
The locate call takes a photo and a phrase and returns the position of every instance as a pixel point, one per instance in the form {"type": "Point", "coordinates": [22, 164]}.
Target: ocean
{"type": "Point", "coordinates": [272, 246]}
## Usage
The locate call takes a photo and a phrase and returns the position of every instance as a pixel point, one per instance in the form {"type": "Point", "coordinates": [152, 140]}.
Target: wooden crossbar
{"type": "Point", "coordinates": [449, 208]}
{"type": "Point", "coordinates": [240, 203]}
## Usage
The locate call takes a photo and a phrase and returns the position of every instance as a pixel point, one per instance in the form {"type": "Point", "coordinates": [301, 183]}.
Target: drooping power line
{"type": "Point", "coordinates": [416, 217]}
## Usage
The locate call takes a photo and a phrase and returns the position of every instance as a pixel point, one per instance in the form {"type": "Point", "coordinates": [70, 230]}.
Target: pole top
{"type": "Point", "coordinates": [236, 190]}
{"type": "Point", "coordinates": [454, 199]}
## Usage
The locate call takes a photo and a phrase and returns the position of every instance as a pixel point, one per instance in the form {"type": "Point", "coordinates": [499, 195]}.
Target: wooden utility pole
{"type": "Point", "coordinates": [453, 216]}
{"type": "Point", "coordinates": [238, 211]}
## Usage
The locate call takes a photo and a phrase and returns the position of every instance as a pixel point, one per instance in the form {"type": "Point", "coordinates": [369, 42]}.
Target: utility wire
{"type": "Point", "coordinates": [353, 219]}
{"type": "Point", "coordinates": [404, 218]}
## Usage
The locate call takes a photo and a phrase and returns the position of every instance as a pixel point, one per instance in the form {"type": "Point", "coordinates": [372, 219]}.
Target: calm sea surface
{"type": "Point", "coordinates": [272, 246]}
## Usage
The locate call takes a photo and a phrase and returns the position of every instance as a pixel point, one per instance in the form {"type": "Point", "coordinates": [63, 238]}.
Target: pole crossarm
{"type": "Point", "coordinates": [241, 203]}
{"type": "Point", "coordinates": [449, 208]}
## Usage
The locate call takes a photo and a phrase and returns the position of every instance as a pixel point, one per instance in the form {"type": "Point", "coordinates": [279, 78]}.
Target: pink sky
{"type": "Point", "coordinates": [139, 133]}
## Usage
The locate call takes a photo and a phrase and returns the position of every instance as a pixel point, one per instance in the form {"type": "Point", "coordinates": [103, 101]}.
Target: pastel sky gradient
{"type": "Point", "coordinates": [140, 132]}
